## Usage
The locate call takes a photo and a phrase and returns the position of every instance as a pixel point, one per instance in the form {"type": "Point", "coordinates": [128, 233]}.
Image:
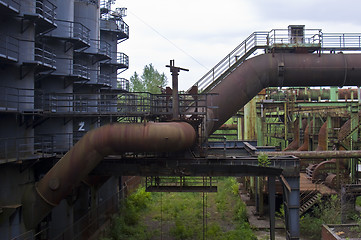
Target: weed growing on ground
{"type": "Point", "coordinates": [327, 212]}
{"type": "Point", "coordinates": [127, 224]}
{"type": "Point", "coordinates": [182, 215]}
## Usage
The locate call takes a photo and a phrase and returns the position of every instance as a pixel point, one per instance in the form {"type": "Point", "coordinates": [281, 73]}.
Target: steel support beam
{"type": "Point", "coordinates": [291, 201]}
{"type": "Point", "coordinates": [188, 167]}
{"type": "Point", "coordinates": [272, 205]}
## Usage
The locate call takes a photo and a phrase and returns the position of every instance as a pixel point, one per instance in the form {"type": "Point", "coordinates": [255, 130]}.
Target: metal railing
{"type": "Point", "coordinates": [9, 47]}
{"type": "Point", "coordinates": [94, 2]}
{"type": "Point", "coordinates": [44, 55]}
{"type": "Point", "coordinates": [282, 36]}
{"type": "Point", "coordinates": [100, 47]}
{"type": "Point", "coordinates": [123, 84]}
{"type": "Point", "coordinates": [120, 59]}
{"type": "Point", "coordinates": [106, 4]}
{"type": "Point", "coordinates": [13, 4]}
{"type": "Point", "coordinates": [120, 104]}
{"type": "Point", "coordinates": [40, 146]}
{"type": "Point", "coordinates": [16, 99]}
{"type": "Point", "coordinates": [254, 41]}
{"type": "Point", "coordinates": [81, 71]}
{"type": "Point", "coordinates": [313, 38]}
{"type": "Point", "coordinates": [104, 48]}
{"type": "Point", "coordinates": [104, 79]}
{"type": "Point", "coordinates": [114, 24]}
{"type": "Point", "coordinates": [341, 41]}
{"type": "Point", "coordinates": [81, 32]}
{"type": "Point", "coordinates": [71, 30]}
{"type": "Point", "coordinates": [46, 9]}
{"type": "Point", "coordinates": [123, 59]}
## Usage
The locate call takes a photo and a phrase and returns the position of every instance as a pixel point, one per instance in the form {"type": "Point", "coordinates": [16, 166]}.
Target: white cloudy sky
{"type": "Point", "coordinates": [201, 32]}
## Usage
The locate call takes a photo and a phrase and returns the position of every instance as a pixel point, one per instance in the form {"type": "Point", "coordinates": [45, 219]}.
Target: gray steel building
{"type": "Point", "coordinates": [59, 75]}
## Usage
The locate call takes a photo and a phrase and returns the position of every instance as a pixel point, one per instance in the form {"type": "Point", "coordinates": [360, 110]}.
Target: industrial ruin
{"type": "Point", "coordinates": [72, 133]}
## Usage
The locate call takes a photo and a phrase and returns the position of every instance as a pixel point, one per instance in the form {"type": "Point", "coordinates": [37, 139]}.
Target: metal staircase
{"type": "Point", "coordinates": [307, 200]}
{"type": "Point", "coordinates": [278, 40]}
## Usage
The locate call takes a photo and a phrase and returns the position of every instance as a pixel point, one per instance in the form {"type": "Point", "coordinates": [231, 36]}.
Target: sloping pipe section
{"type": "Point", "coordinates": [280, 70]}
{"type": "Point", "coordinates": [86, 154]}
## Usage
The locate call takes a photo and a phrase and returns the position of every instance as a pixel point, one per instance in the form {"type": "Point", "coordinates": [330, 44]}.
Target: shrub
{"type": "Point", "coordinates": [327, 212]}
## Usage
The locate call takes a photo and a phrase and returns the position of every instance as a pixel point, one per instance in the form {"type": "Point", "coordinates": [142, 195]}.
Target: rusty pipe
{"type": "Point", "coordinates": [90, 150]}
{"type": "Point", "coordinates": [314, 94]}
{"type": "Point", "coordinates": [306, 137]}
{"type": "Point", "coordinates": [322, 138]}
{"type": "Point", "coordinates": [294, 145]}
{"type": "Point", "coordinates": [279, 70]}
{"type": "Point", "coordinates": [316, 154]}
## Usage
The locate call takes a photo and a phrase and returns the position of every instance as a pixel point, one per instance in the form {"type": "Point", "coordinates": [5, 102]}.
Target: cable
{"type": "Point", "coordinates": [156, 31]}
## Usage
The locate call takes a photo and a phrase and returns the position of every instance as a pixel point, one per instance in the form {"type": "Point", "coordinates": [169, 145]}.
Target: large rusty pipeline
{"type": "Point", "coordinates": [316, 154]}
{"type": "Point", "coordinates": [86, 154]}
{"type": "Point", "coordinates": [306, 137]}
{"type": "Point", "coordinates": [314, 94]}
{"type": "Point", "coordinates": [295, 144]}
{"type": "Point", "coordinates": [280, 70]}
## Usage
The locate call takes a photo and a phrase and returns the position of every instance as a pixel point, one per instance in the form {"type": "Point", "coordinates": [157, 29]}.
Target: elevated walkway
{"type": "Point", "coordinates": [278, 40]}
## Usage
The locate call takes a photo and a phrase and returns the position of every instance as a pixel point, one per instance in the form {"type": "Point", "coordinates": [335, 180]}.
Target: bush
{"type": "Point", "coordinates": [127, 225]}
{"type": "Point", "coordinates": [327, 212]}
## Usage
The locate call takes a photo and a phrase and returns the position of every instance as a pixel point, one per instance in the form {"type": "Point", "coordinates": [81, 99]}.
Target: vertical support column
{"type": "Point", "coordinates": [175, 95]}
{"type": "Point", "coordinates": [260, 197]}
{"type": "Point", "coordinates": [334, 94]}
{"type": "Point", "coordinates": [354, 138]}
{"type": "Point", "coordinates": [292, 205]}
{"type": "Point", "coordinates": [259, 126]}
{"type": "Point", "coordinates": [256, 194]}
{"type": "Point", "coordinates": [175, 103]}
{"type": "Point", "coordinates": [285, 112]}
{"type": "Point", "coordinates": [272, 205]}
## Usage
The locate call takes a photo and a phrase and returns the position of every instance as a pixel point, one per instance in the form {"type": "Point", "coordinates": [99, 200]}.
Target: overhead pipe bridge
{"type": "Point", "coordinates": [236, 84]}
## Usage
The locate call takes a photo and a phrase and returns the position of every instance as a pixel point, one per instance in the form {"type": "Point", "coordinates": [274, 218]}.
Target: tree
{"type": "Point", "coordinates": [150, 81]}
{"type": "Point", "coordinates": [136, 84]}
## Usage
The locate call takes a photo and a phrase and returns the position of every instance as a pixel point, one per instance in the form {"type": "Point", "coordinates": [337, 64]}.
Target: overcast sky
{"type": "Point", "coordinates": [197, 34]}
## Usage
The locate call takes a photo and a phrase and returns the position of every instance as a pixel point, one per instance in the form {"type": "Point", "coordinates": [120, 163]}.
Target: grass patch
{"type": "Point", "coordinates": [180, 215]}
{"type": "Point", "coordinates": [127, 224]}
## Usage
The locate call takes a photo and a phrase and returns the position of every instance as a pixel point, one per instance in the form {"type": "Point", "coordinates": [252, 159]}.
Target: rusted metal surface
{"type": "Point", "coordinates": [322, 138]}
{"type": "Point", "coordinates": [330, 180]}
{"type": "Point", "coordinates": [175, 97]}
{"type": "Point", "coordinates": [322, 169]}
{"type": "Point", "coordinates": [325, 168]}
{"type": "Point", "coordinates": [228, 127]}
{"type": "Point", "coordinates": [295, 144]}
{"type": "Point", "coordinates": [300, 94]}
{"type": "Point", "coordinates": [317, 154]}
{"type": "Point", "coordinates": [345, 130]}
{"type": "Point", "coordinates": [306, 138]}
{"type": "Point", "coordinates": [91, 149]}
{"type": "Point", "coordinates": [296, 137]}
{"type": "Point", "coordinates": [280, 70]}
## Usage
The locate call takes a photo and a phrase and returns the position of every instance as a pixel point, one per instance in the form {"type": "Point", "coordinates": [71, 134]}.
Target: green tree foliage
{"type": "Point", "coordinates": [151, 80]}
{"type": "Point", "coordinates": [136, 83]}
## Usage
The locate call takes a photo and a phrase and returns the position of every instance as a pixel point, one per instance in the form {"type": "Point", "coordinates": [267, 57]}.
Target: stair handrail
{"type": "Point", "coordinates": [314, 38]}
{"type": "Point", "coordinates": [257, 40]}
{"type": "Point", "coordinates": [249, 44]}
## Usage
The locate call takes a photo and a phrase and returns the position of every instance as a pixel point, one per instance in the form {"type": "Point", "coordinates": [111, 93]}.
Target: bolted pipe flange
{"type": "Point", "coordinates": [54, 184]}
